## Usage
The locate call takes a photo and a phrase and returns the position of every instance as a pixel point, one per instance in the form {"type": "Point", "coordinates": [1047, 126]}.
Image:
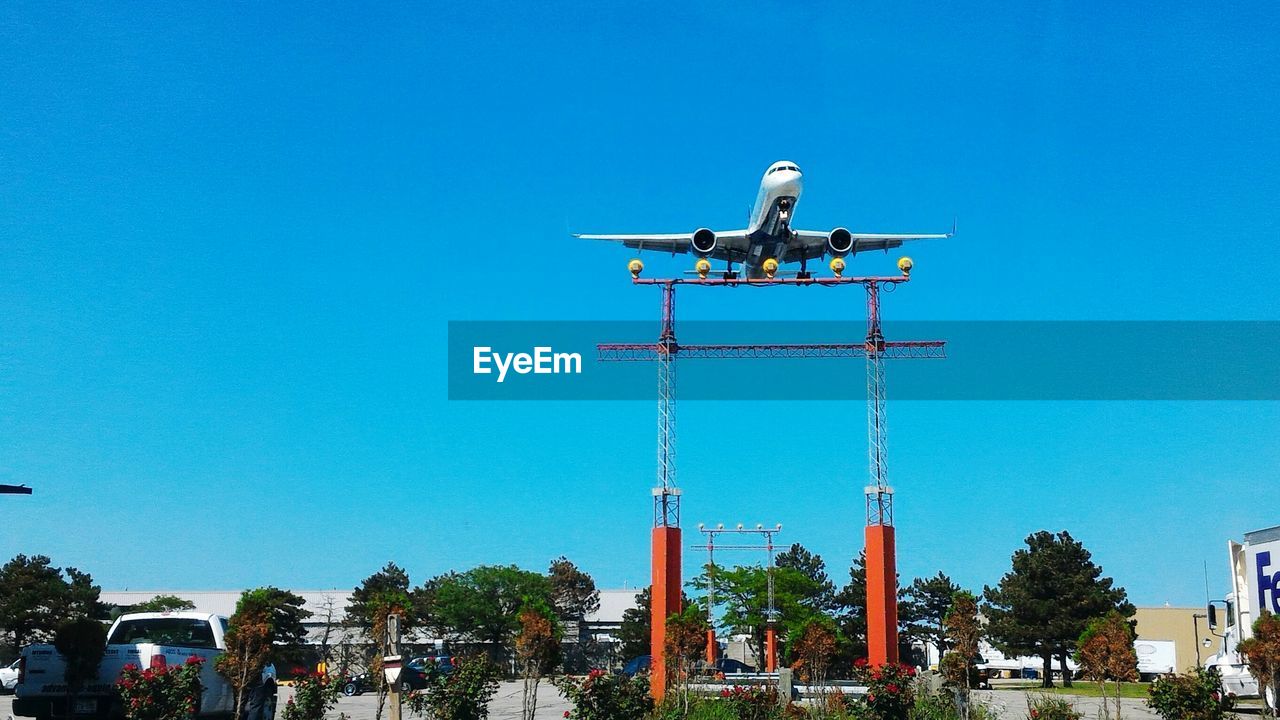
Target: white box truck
{"type": "Point", "coordinates": [1255, 586]}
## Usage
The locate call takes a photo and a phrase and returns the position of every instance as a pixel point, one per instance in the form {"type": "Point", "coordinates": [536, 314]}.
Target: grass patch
{"type": "Point", "coordinates": [1085, 688]}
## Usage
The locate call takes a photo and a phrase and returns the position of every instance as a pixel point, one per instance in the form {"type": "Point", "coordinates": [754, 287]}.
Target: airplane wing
{"type": "Point", "coordinates": [730, 244]}
{"type": "Point", "coordinates": [813, 243]}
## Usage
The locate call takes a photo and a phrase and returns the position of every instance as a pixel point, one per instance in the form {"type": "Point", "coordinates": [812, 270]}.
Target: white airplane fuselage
{"type": "Point", "coordinates": [769, 230]}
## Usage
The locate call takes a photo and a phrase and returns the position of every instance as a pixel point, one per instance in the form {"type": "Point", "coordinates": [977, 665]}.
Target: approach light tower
{"type": "Point", "coordinates": [665, 591]}
{"type": "Point", "coordinates": [882, 573]}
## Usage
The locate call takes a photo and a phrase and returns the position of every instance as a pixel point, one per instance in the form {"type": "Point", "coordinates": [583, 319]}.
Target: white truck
{"type": "Point", "coordinates": [145, 640]}
{"type": "Point", "coordinates": [1255, 586]}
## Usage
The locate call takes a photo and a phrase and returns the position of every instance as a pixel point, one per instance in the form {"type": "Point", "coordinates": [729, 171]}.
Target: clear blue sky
{"type": "Point", "coordinates": [231, 237]}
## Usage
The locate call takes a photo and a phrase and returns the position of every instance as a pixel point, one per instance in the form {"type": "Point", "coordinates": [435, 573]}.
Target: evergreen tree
{"type": "Point", "coordinates": [811, 566]}
{"type": "Point", "coordinates": [573, 595]}
{"type": "Point", "coordinates": [932, 600]}
{"type": "Point", "coordinates": [634, 634]}
{"type": "Point", "coordinates": [1044, 603]}
{"type": "Point", "coordinates": [35, 598]}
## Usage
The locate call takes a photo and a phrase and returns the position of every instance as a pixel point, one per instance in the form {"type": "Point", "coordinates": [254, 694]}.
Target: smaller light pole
{"type": "Point", "coordinates": [1195, 623]}
{"type": "Point", "coordinates": [771, 614]}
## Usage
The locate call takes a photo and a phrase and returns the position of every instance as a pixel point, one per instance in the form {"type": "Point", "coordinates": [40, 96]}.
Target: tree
{"type": "Point", "coordinates": [932, 599]}
{"type": "Point", "coordinates": [962, 629]}
{"type": "Point", "coordinates": [634, 635]}
{"type": "Point", "coordinates": [812, 652]}
{"type": "Point", "coordinates": [573, 595]}
{"type": "Point", "coordinates": [743, 592]}
{"type": "Point", "coordinates": [35, 598]}
{"type": "Point", "coordinates": [537, 650]}
{"type": "Point", "coordinates": [686, 638]}
{"type": "Point", "coordinates": [811, 566]}
{"type": "Point", "coordinates": [1105, 651]}
{"type": "Point", "coordinates": [82, 643]}
{"type": "Point", "coordinates": [573, 592]}
{"type": "Point", "coordinates": [1044, 604]}
{"type": "Point", "coordinates": [1263, 653]}
{"type": "Point", "coordinates": [383, 593]}
{"type": "Point", "coordinates": [266, 620]}
{"type": "Point", "coordinates": [388, 586]}
{"type": "Point", "coordinates": [163, 603]}
{"type": "Point", "coordinates": [483, 603]}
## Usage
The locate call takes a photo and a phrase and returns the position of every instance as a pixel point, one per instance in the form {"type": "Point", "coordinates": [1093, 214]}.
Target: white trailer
{"type": "Point", "coordinates": [1255, 586]}
{"type": "Point", "coordinates": [1155, 658]}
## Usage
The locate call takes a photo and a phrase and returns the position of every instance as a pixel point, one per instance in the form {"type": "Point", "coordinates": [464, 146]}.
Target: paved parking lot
{"type": "Point", "coordinates": [505, 705]}
{"type": "Point", "coordinates": [1008, 704]}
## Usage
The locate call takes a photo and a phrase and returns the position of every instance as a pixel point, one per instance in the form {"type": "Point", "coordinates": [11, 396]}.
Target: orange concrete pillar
{"type": "Point", "coordinates": [665, 594]}
{"type": "Point", "coordinates": [882, 596]}
{"type": "Point", "coordinates": [712, 647]}
{"type": "Point", "coordinates": [770, 650]}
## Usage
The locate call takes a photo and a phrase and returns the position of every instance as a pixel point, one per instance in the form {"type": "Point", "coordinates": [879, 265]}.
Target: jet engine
{"type": "Point", "coordinates": [704, 242]}
{"type": "Point", "coordinates": [839, 242]}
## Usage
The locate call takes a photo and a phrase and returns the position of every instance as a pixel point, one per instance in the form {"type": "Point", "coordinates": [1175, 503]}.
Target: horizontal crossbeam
{"type": "Point", "coordinates": [714, 281]}
{"type": "Point", "coordinates": [892, 350]}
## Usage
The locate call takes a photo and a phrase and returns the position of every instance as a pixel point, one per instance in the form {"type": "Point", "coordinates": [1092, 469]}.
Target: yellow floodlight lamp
{"type": "Point", "coordinates": [837, 266]}
{"type": "Point", "coordinates": [770, 267]}
{"type": "Point", "coordinates": [703, 266]}
{"type": "Point", "coordinates": [905, 265]}
{"type": "Point", "coordinates": [635, 267]}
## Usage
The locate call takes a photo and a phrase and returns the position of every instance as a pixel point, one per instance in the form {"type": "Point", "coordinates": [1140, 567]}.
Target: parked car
{"type": "Point", "coordinates": [442, 664]}
{"type": "Point", "coordinates": [729, 666]}
{"type": "Point", "coordinates": [9, 676]}
{"type": "Point", "coordinates": [411, 678]}
{"type": "Point", "coordinates": [637, 665]}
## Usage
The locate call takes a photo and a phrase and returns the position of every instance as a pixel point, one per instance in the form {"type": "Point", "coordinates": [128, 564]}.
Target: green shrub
{"type": "Point", "coordinates": [463, 694]}
{"type": "Point", "coordinates": [1195, 695]}
{"type": "Point", "coordinates": [601, 696]}
{"type": "Point", "coordinates": [1047, 707]}
{"type": "Point", "coordinates": [943, 706]}
{"type": "Point", "coordinates": [313, 696]}
{"type": "Point", "coordinates": [711, 710]}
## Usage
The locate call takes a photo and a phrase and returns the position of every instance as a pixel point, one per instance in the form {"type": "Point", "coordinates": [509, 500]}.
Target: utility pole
{"type": "Point", "coordinates": [391, 664]}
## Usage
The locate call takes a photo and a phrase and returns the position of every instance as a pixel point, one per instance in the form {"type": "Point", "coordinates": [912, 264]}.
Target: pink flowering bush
{"type": "Point", "coordinates": [752, 702]}
{"type": "Point", "coordinates": [168, 692]}
{"type": "Point", "coordinates": [313, 696]}
{"type": "Point", "coordinates": [889, 689]}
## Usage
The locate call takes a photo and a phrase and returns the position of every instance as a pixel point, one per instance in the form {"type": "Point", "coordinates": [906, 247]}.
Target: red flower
{"type": "Point", "coordinates": [195, 660]}
{"type": "Point", "coordinates": [860, 662]}
{"type": "Point", "coordinates": [566, 713]}
{"type": "Point", "coordinates": [892, 688]}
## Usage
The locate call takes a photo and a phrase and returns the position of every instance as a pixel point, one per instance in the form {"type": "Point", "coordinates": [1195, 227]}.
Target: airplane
{"type": "Point", "coordinates": [769, 238]}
